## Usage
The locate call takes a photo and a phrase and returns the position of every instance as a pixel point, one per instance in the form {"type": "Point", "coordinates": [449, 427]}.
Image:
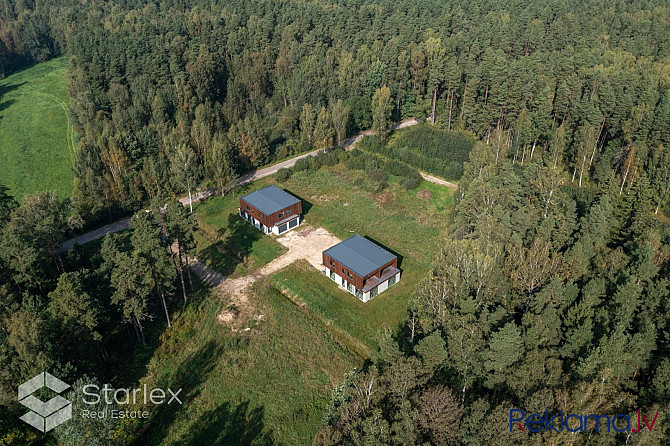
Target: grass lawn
{"type": "Point", "coordinates": [229, 244]}
{"type": "Point", "coordinates": [266, 385]}
{"type": "Point", "coordinates": [36, 139]}
{"type": "Point", "coordinates": [343, 202]}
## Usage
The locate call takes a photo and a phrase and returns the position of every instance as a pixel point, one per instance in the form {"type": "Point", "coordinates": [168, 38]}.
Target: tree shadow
{"type": "Point", "coordinates": [189, 376]}
{"type": "Point", "coordinates": [6, 104]}
{"type": "Point", "coordinates": [238, 237]}
{"type": "Point", "coordinates": [228, 425]}
{"type": "Point", "coordinates": [381, 245]}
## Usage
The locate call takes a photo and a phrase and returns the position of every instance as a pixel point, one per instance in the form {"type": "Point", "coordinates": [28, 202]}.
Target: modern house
{"type": "Point", "coordinates": [361, 267]}
{"type": "Point", "coordinates": [271, 210]}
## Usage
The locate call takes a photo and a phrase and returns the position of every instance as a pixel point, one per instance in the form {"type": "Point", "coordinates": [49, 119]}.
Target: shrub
{"type": "Point", "coordinates": [282, 175]}
{"type": "Point", "coordinates": [379, 186]}
{"type": "Point", "coordinates": [356, 152]}
{"type": "Point", "coordinates": [355, 163]}
{"type": "Point", "coordinates": [315, 162]}
{"type": "Point", "coordinates": [371, 163]}
{"type": "Point", "coordinates": [377, 175]}
{"type": "Point", "coordinates": [301, 165]}
{"type": "Point", "coordinates": [342, 155]}
{"type": "Point", "coordinates": [410, 183]}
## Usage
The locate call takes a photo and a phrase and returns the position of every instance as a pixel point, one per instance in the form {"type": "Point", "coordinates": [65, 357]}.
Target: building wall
{"type": "Point", "coordinates": [365, 296]}
{"type": "Point", "coordinates": [270, 219]}
{"type": "Point", "coordinates": [381, 288]}
{"type": "Point", "coordinates": [336, 266]}
{"type": "Point", "coordinates": [357, 280]}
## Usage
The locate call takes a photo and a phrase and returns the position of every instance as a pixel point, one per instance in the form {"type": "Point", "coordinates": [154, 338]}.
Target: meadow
{"type": "Point", "coordinates": [36, 139]}
{"type": "Point", "coordinates": [267, 377]}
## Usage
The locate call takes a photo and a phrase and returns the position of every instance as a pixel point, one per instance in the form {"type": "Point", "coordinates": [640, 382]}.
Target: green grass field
{"type": "Point", "coordinates": [342, 201]}
{"type": "Point", "coordinates": [266, 385]}
{"type": "Point", "coordinates": [229, 244]}
{"type": "Point", "coordinates": [36, 139]}
{"type": "Point", "coordinates": [267, 377]}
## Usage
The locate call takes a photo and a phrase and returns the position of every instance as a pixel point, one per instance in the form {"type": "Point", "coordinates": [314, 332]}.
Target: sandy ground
{"type": "Point", "coordinates": [303, 242]}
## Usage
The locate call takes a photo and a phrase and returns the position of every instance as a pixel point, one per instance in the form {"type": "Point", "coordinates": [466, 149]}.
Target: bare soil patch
{"type": "Point", "coordinates": [306, 243]}
{"type": "Point", "coordinates": [424, 194]}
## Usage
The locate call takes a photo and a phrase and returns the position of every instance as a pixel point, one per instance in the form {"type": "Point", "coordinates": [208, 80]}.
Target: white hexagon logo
{"type": "Point", "coordinates": [44, 416]}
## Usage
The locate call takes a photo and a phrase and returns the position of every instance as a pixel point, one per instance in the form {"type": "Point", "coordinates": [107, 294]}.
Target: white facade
{"type": "Point", "coordinates": [342, 283]}
{"type": "Point", "coordinates": [277, 229]}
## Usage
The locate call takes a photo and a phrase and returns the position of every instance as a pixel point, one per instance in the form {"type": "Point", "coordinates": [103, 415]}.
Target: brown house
{"type": "Point", "coordinates": [271, 210]}
{"type": "Point", "coordinates": [362, 267]}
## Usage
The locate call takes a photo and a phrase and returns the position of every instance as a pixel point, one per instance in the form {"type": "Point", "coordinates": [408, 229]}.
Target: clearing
{"type": "Point", "coordinates": [37, 142]}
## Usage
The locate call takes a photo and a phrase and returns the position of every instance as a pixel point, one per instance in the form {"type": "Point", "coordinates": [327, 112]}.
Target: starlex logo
{"type": "Point", "coordinates": [44, 416]}
{"type": "Point", "coordinates": [576, 423]}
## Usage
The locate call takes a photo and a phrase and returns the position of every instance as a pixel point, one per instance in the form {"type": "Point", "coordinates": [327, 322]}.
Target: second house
{"type": "Point", "coordinates": [271, 210]}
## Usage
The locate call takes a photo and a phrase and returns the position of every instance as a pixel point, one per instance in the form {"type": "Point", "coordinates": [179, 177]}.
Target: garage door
{"type": "Point", "coordinates": [282, 228]}
{"type": "Point", "coordinates": [293, 223]}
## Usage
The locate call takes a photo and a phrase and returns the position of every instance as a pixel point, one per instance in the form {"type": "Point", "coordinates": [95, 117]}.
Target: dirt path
{"type": "Point", "coordinates": [260, 173]}
{"type": "Point", "coordinates": [302, 243]}
{"type": "Point", "coordinates": [437, 180]}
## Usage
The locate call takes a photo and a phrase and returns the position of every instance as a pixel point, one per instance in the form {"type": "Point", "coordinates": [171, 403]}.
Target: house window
{"type": "Point", "coordinates": [332, 265]}
{"type": "Point", "coordinates": [349, 275]}
{"type": "Point", "coordinates": [392, 281]}
{"type": "Point", "coordinates": [332, 275]}
{"type": "Point", "coordinates": [247, 207]}
{"type": "Point", "coordinates": [342, 270]}
{"type": "Point", "coordinates": [350, 287]}
{"type": "Point", "coordinates": [281, 214]}
{"type": "Point", "coordinates": [288, 212]}
{"type": "Point", "coordinates": [359, 294]}
{"type": "Point", "coordinates": [374, 292]}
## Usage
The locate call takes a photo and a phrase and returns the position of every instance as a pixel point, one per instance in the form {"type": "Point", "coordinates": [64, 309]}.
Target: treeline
{"type": "Point", "coordinates": [165, 96]}
{"type": "Point", "coordinates": [544, 296]}
{"type": "Point", "coordinates": [86, 311]}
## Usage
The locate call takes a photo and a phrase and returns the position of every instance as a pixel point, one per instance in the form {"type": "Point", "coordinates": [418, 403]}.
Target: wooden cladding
{"type": "Point", "coordinates": [350, 276]}
{"type": "Point", "coordinates": [271, 219]}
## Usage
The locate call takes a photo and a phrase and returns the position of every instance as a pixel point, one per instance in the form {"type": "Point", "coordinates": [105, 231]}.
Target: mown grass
{"type": "Point", "coordinates": [36, 139]}
{"type": "Point", "coordinates": [344, 202]}
{"type": "Point", "coordinates": [268, 382]}
{"type": "Point", "coordinates": [227, 243]}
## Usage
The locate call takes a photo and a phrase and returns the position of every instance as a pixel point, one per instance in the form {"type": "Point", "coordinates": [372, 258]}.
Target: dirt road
{"type": "Point", "coordinates": [260, 173]}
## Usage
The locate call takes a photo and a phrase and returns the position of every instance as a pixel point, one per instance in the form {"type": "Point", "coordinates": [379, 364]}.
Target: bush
{"type": "Point", "coordinates": [378, 176]}
{"type": "Point", "coordinates": [315, 162]}
{"type": "Point", "coordinates": [356, 152]}
{"type": "Point", "coordinates": [371, 163]}
{"type": "Point", "coordinates": [301, 165]}
{"type": "Point", "coordinates": [341, 155]}
{"type": "Point", "coordinates": [410, 183]}
{"type": "Point", "coordinates": [355, 163]}
{"type": "Point", "coordinates": [282, 175]}
{"type": "Point", "coordinates": [379, 186]}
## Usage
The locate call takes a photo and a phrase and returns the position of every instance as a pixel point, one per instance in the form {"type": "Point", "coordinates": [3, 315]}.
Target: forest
{"type": "Point", "coordinates": [551, 290]}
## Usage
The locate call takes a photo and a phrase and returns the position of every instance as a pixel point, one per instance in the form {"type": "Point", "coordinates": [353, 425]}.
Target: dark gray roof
{"type": "Point", "coordinates": [360, 255]}
{"type": "Point", "coordinates": [270, 199]}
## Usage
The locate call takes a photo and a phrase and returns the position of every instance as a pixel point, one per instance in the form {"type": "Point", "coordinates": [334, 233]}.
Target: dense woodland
{"type": "Point", "coordinates": [551, 290]}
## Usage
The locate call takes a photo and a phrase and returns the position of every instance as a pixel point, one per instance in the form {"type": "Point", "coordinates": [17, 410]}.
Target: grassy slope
{"type": "Point", "coordinates": [36, 140]}
{"type": "Point", "coordinates": [395, 218]}
{"type": "Point", "coordinates": [271, 384]}
{"type": "Point", "coordinates": [267, 385]}
{"type": "Point", "coordinates": [227, 243]}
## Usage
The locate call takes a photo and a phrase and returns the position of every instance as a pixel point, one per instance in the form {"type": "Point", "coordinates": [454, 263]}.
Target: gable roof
{"type": "Point", "coordinates": [270, 199]}
{"type": "Point", "coordinates": [360, 255]}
